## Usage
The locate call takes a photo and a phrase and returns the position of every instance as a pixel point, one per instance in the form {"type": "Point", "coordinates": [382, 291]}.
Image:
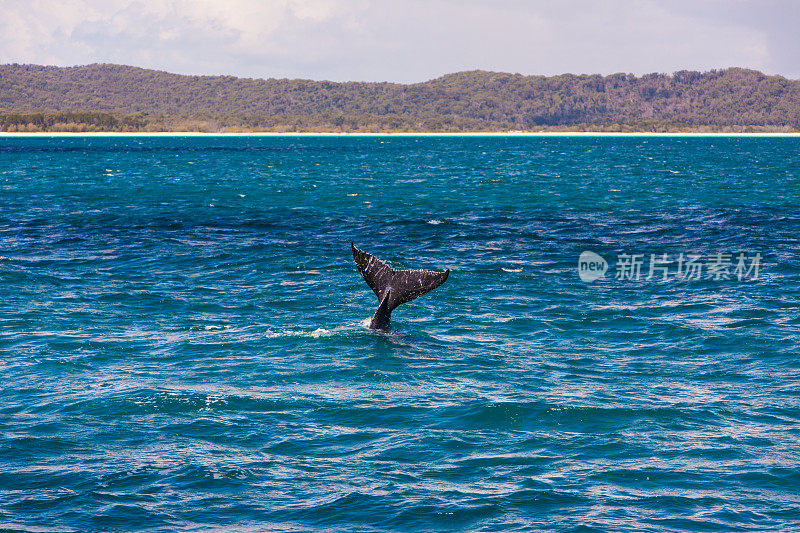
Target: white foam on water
{"type": "Point", "coordinates": [12, 526]}
{"type": "Point", "coordinates": [313, 334]}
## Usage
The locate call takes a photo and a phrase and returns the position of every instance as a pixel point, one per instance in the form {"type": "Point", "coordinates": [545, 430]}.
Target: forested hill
{"type": "Point", "coordinates": [116, 97]}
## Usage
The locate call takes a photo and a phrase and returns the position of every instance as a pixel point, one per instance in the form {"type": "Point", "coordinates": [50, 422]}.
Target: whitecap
{"type": "Point", "coordinates": [435, 222]}
{"type": "Point", "coordinates": [317, 333]}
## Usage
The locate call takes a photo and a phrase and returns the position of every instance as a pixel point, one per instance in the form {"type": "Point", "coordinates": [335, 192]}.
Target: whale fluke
{"type": "Point", "coordinates": [393, 287]}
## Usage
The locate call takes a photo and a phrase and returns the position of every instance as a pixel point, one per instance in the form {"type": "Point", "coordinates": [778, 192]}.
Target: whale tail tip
{"type": "Point", "coordinates": [393, 287]}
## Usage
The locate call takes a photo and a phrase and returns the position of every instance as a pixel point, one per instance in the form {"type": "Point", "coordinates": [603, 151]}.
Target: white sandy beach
{"type": "Point", "coordinates": [400, 134]}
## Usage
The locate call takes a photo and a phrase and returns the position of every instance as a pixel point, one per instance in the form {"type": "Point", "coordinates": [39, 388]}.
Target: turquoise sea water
{"type": "Point", "coordinates": [183, 341]}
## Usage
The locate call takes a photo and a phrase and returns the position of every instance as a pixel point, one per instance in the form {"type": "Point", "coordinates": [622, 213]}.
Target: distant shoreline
{"type": "Point", "coordinates": [401, 134]}
{"type": "Point", "coordinates": [118, 98]}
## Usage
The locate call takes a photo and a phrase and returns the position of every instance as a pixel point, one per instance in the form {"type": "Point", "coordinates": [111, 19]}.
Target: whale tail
{"type": "Point", "coordinates": [393, 287]}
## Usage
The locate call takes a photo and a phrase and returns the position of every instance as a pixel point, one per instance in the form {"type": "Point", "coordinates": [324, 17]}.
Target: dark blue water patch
{"type": "Point", "coordinates": [184, 346]}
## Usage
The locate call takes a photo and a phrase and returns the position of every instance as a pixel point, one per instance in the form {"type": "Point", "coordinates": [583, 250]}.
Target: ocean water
{"type": "Point", "coordinates": [183, 342]}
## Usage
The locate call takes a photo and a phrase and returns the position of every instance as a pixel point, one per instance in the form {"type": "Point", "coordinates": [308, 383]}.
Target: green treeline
{"type": "Point", "coordinates": [71, 121]}
{"type": "Point", "coordinates": [123, 98]}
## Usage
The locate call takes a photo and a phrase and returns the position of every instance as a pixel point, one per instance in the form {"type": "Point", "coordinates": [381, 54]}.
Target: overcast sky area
{"type": "Point", "coordinates": [404, 40]}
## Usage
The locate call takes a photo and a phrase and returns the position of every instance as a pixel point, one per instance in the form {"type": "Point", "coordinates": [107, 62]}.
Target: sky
{"type": "Point", "coordinates": [404, 40]}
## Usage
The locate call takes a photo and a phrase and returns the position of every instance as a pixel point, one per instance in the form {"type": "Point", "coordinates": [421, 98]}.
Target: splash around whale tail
{"type": "Point", "coordinates": [393, 287]}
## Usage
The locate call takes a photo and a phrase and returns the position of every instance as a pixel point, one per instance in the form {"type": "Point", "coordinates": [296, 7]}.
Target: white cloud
{"type": "Point", "coordinates": [411, 40]}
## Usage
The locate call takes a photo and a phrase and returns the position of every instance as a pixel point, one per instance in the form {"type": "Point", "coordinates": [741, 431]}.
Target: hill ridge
{"type": "Point", "coordinates": [104, 96]}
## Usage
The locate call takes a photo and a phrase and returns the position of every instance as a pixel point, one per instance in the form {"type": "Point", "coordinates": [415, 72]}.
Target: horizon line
{"type": "Point", "coordinates": [396, 134]}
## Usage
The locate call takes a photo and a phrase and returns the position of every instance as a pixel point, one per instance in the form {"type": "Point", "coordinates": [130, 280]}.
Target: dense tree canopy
{"type": "Point", "coordinates": [122, 98]}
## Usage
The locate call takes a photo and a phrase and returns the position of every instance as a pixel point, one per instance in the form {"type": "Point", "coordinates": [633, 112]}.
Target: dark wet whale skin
{"type": "Point", "coordinates": [393, 287]}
